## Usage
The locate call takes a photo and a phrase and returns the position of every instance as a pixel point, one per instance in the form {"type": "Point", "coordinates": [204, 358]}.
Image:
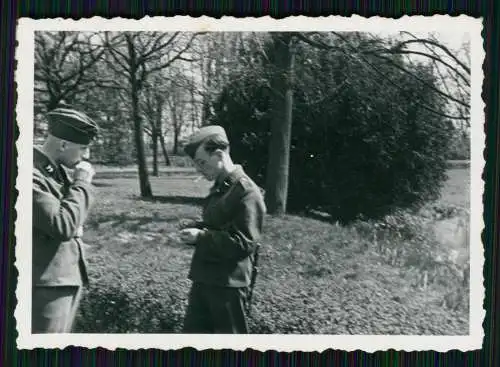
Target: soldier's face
{"type": "Point", "coordinates": [209, 165]}
{"type": "Point", "coordinates": [72, 154]}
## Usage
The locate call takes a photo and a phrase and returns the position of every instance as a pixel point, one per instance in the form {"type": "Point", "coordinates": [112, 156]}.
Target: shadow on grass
{"type": "Point", "coordinates": [176, 199]}
{"type": "Point", "coordinates": [121, 219]}
{"type": "Point", "coordinates": [101, 184]}
{"type": "Point", "coordinates": [319, 216]}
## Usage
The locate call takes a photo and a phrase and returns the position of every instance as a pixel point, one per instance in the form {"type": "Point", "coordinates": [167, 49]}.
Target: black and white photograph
{"type": "Point", "coordinates": [294, 184]}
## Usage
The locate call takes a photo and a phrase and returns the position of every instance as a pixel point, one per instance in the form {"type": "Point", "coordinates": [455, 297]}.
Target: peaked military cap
{"type": "Point", "coordinates": [206, 132]}
{"type": "Point", "coordinates": [71, 125]}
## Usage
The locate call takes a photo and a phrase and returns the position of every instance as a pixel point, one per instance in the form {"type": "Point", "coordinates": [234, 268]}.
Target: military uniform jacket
{"type": "Point", "coordinates": [232, 218]}
{"type": "Point", "coordinates": [60, 208]}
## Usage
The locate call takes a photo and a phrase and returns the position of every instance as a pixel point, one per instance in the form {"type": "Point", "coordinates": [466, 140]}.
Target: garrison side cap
{"type": "Point", "coordinates": [196, 139]}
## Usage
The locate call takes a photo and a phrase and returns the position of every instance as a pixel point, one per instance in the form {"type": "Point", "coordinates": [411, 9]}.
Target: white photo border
{"type": "Point", "coordinates": [24, 78]}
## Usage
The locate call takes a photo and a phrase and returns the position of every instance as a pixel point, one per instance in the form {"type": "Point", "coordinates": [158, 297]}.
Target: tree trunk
{"type": "Point", "coordinates": [145, 185]}
{"type": "Point", "coordinates": [281, 128]}
{"type": "Point", "coordinates": [176, 140]}
{"type": "Point", "coordinates": [158, 128]}
{"type": "Point", "coordinates": [176, 127]}
{"type": "Point", "coordinates": [194, 110]}
{"type": "Point", "coordinates": [206, 95]}
{"type": "Point", "coordinates": [164, 150]}
{"type": "Point", "coordinates": [154, 136]}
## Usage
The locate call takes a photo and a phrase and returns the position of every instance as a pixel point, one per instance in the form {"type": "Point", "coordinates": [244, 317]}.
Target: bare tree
{"type": "Point", "coordinates": [217, 57]}
{"type": "Point", "coordinates": [135, 57]}
{"type": "Point", "coordinates": [154, 98]}
{"type": "Point", "coordinates": [63, 62]}
{"type": "Point", "coordinates": [176, 102]}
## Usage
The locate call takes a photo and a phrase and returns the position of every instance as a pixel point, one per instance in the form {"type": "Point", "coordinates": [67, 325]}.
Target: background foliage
{"type": "Point", "coordinates": [358, 146]}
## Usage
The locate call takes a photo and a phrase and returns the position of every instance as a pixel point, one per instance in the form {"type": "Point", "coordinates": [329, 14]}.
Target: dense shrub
{"type": "Point", "coordinates": [360, 146]}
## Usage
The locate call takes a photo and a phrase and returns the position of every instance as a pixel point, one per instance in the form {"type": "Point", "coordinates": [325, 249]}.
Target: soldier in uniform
{"type": "Point", "coordinates": [225, 240]}
{"type": "Point", "coordinates": [60, 207]}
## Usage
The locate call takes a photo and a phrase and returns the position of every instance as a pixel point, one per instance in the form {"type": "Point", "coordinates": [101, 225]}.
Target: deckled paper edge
{"type": "Point", "coordinates": [286, 343]}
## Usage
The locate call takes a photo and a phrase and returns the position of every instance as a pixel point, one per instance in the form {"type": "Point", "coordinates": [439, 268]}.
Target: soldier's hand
{"type": "Point", "coordinates": [186, 223]}
{"type": "Point", "coordinates": [190, 223]}
{"type": "Point", "coordinates": [84, 172]}
{"type": "Point", "coordinates": [189, 236]}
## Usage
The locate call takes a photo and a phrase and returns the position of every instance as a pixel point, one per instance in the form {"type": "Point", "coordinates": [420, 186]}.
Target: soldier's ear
{"type": "Point", "coordinates": [62, 146]}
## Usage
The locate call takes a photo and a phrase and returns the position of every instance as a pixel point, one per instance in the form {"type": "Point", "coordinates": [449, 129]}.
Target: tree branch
{"type": "Point", "coordinates": [396, 50]}
{"type": "Point", "coordinates": [66, 49]}
{"type": "Point", "coordinates": [166, 64]}
{"type": "Point", "coordinates": [124, 68]}
{"type": "Point", "coordinates": [437, 59]}
{"type": "Point", "coordinates": [83, 67]}
{"type": "Point", "coordinates": [417, 101]}
{"type": "Point", "coordinates": [438, 45]}
{"type": "Point", "coordinates": [114, 52]}
{"type": "Point", "coordinates": [114, 85]}
{"type": "Point", "coordinates": [156, 47]}
{"type": "Point", "coordinates": [41, 90]}
{"type": "Point", "coordinates": [316, 44]}
{"type": "Point", "coordinates": [421, 80]}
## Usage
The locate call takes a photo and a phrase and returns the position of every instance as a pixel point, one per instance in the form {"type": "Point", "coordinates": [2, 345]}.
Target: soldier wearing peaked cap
{"type": "Point", "coordinates": [60, 208]}
{"type": "Point", "coordinates": [225, 240]}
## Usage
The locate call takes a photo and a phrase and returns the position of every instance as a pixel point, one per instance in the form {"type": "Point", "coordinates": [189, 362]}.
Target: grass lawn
{"type": "Point", "coordinates": [316, 277]}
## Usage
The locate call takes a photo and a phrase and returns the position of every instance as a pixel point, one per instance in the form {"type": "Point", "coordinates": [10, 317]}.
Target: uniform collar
{"type": "Point", "coordinates": [44, 162]}
{"type": "Point", "coordinates": [228, 180]}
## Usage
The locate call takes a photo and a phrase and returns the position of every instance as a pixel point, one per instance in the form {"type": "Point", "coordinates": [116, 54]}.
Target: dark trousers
{"type": "Point", "coordinates": [54, 309]}
{"type": "Point", "coordinates": [216, 310]}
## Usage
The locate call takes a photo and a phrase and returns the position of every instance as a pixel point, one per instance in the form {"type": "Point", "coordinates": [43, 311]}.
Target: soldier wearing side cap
{"type": "Point", "coordinates": [225, 240]}
{"type": "Point", "coordinates": [60, 207]}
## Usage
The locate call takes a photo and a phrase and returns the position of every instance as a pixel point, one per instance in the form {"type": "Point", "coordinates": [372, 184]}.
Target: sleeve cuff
{"type": "Point", "coordinates": [203, 235]}
{"type": "Point", "coordinates": [82, 183]}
